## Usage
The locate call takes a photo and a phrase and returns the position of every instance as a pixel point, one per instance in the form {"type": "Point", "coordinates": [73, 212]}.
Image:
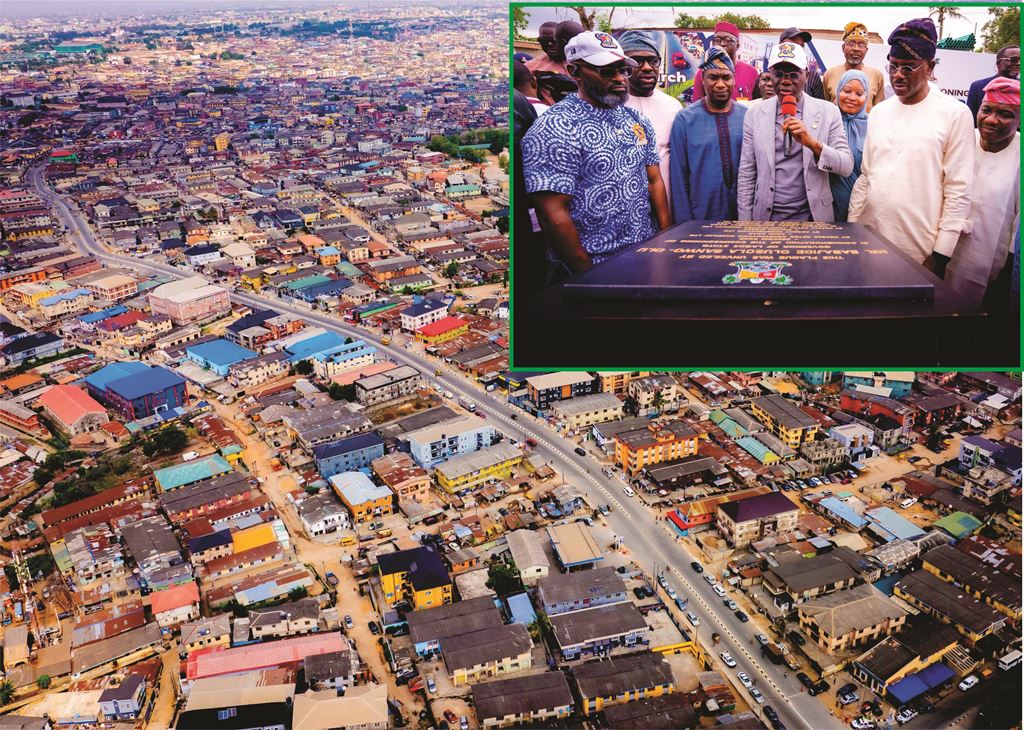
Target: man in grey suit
{"type": "Point", "coordinates": [782, 180]}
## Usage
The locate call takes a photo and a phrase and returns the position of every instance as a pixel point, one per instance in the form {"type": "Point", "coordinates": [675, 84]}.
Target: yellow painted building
{"type": "Point", "coordinates": [784, 419]}
{"type": "Point", "coordinates": [643, 447]}
{"type": "Point", "coordinates": [418, 576]}
{"type": "Point", "coordinates": [442, 330]}
{"type": "Point", "coordinates": [467, 471]}
{"type": "Point", "coordinates": [221, 141]}
{"type": "Point", "coordinates": [253, 537]}
{"type": "Point", "coordinates": [363, 499]}
{"type": "Point", "coordinates": [615, 381]}
{"type": "Point", "coordinates": [633, 677]}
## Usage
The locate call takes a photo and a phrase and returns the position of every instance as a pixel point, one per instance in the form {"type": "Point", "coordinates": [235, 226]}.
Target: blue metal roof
{"type": "Point", "coordinates": [893, 524]}
{"type": "Point", "coordinates": [422, 307]}
{"type": "Point", "coordinates": [348, 445]}
{"type": "Point", "coordinates": [840, 509]}
{"type": "Point", "coordinates": [221, 352]}
{"type": "Point", "coordinates": [66, 296]}
{"type": "Point", "coordinates": [178, 475]}
{"type": "Point", "coordinates": [115, 370]}
{"type": "Point", "coordinates": [520, 609]}
{"type": "Point", "coordinates": [154, 380]}
{"type": "Point", "coordinates": [312, 345]}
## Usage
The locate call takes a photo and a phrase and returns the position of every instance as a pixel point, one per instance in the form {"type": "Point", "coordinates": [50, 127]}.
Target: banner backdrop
{"type": "Point", "coordinates": [683, 50]}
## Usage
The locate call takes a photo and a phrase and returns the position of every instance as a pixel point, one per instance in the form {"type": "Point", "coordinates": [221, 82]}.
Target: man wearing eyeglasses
{"type": "Point", "coordinates": [646, 97]}
{"type": "Point", "coordinates": [591, 163]}
{"type": "Point", "coordinates": [552, 38]}
{"type": "Point", "coordinates": [782, 180]}
{"type": "Point", "coordinates": [855, 48]}
{"type": "Point", "coordinates": [1007, 67]}
{"type": "Point", "coordinates": [918, 164]}
{"type": "Point", "coordinates": [727, 37]}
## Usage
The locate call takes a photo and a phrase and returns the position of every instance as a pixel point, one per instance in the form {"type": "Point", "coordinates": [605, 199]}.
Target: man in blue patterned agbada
{"type": "Point", "coordinates": [591, 163]}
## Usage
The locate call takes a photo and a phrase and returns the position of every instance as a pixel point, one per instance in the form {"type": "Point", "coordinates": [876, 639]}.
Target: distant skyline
{"type": "Point", "coordinates": [19, 9]}
{"type": "Point", "coordinates": [880, 19]}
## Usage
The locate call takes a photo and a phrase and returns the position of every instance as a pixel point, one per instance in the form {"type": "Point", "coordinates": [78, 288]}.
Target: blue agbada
{"type": "Point", "coordinates": [856, 126]}
{"type": "Point", "coordinates": [705, 160]}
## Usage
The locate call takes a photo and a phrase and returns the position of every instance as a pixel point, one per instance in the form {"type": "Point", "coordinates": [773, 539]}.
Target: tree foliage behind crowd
{"type": "Point", "coordinates": [743, 22]}
{"type": "Point", "coordinates": [1002, 28]}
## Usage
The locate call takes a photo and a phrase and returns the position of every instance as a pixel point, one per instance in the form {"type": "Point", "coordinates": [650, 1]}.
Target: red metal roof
{"type": "Point", "coordinates": [441, 326]}
{"type": "Point", "coordinates": [217, 661]}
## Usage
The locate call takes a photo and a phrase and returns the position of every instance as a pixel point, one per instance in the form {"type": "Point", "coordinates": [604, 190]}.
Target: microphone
{"type": "Point", "coordinates": [788, 108]}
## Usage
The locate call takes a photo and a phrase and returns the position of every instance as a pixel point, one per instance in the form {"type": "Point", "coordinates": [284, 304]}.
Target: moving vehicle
{"type": "Point", "coordinates": [730, 604]}
{"type": "Point", "coordinates": [580, 451]}
{"type": "Point", "coordinates": [697, 567]}
{"type": "Point", "coordinates": [467, 404]}
{"type": "Point", "coordinates": [603, 509]}
{"type": "Point", "coordinates": [385, 340]}
{"type": "Point", "coordinates": [968, 682]}
{"type": "Point", "coordinates": [530, 442]}
{"type": "Point", "coordinates": [773, 653]}
{"type": "Point", "coordinates": [742, 617]}
{"type": "Point", "coordinates": [449, 395]}
{"type": "Point", "coordinates": [727, 659]}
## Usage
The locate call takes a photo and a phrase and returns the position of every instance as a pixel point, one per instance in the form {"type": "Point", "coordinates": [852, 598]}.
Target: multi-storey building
{"type": "Point", "coordinates": [643, 447]}
{"type": "Point", "coordinates": [784, 419]}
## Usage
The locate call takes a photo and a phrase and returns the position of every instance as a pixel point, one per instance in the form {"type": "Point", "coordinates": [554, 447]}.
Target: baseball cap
{"type": "Point", "coordinates": [787, 53]}
{"type": "Point", "coordinates": [597, 49]}
{"type": "Point", "coordinates": [794, 32]}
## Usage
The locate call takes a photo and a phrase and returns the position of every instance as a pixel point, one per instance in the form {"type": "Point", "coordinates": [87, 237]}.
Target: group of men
{"type": "Point", "coordinates": [618, 160]}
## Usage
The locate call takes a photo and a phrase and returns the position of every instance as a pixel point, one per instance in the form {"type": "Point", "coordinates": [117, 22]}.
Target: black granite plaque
{"type": "Point", "coordinates": [729, 260]}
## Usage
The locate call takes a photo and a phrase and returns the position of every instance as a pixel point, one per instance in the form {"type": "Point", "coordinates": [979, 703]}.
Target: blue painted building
{"type": "Point", "coordinates": [350, 454]}
{"type": "Point", "coordinates": [900, 384]}
{"type": "Point", "coordinates": [144, 393]}
{"type": "Point", "coordinates": [218, 355]}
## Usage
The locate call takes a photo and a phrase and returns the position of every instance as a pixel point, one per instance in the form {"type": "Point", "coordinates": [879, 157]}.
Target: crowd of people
{"type": "Point", "coordinates": [606, 159]}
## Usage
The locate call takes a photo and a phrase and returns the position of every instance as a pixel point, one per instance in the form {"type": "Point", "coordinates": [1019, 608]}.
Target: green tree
{"type": "Point", "coordinates": [503, 578]}
{"type": "Point", "coordinates": [451, 269]}
{"type": "Point", "coordinates": [6, 692]}
{"type": "Point", "coordinates": [304, 367]}
{"type": "Point", "coordinates": [336, 391]}
{"type": "Point", "coordinates": [520, 19]}
{"type": "Point", "coordinates": [1002, 28]}
{"type": "Point", "coordinates": [44, 681]}
{"type": "Point", "coordinates": [296, 594]}
{"type": "Point", "coordinates": [745, 22]}
{"type": "Point", "coordinates": [942, 13]}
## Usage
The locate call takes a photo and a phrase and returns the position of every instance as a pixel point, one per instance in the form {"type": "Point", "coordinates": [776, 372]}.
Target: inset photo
{"type": "Point", "coordinates": [756, 186]}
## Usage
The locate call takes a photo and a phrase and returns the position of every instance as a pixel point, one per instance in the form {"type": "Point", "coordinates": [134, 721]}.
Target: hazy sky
{"type": "Point", "coordinates": [879, 19]}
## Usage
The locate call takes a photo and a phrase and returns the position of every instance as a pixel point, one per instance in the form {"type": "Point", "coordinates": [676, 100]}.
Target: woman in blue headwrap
{"type": "Point", "coordinates": [852, 99]}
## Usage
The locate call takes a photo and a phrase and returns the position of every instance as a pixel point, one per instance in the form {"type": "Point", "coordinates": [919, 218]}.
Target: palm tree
{"type": "Point", "coordinates": [6, 692]}
{"type": "Point", "coordinates": [942, 13]}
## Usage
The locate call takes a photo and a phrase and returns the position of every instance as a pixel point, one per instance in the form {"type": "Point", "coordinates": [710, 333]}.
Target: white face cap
{"type": "Point", "coordinates": [788, 52]}
{"type": "Point", "coordinates": [597, 49]}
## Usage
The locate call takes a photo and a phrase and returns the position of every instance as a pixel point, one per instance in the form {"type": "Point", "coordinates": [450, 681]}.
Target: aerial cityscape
{"type": "Point", "coordinates": [264, 462]}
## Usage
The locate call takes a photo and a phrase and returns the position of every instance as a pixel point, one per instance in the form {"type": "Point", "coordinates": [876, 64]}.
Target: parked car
{"type": "Point", "coordinates": [745, 680]}
{"type": "Point", "coordinates": [672, 594]}
{"type": "Point", "coordinates": [580, 450]}
{"type": "Point", "coordinates": [628, 491]}
{"type": "Point", "coordinates": [727, 659]}
{"type": "Point", "coordinates": [348, 622]}
{"type": "Point", "coordinates": [762, 639]}
{"type": "Point", "coordinates": [847, 694]}
{"type": "Point", "coordinates": [863, 723]}
{"type": "Point", "coordinates": [872, 706]}
{"type": "Point", "coordinates": [756, 694]}
{"type": "Point", "coordinates": [742, 617]}
{"type": "Point", "coordinates": [730, 604]}
{"type": "Point", "coordinates": [374, 628]}
{"type": "Point", "coordinates": [431, 685]}
{"type": "Point", "coordinates": [818, 688]}
{"type": "Point", "coordinates": [796, 637]}
{"type": "Point", "coordinates": [805, 680]}
{"type": "Point", "coordinates": [639, 593]}
{"type": "Point", "coordinates": [719, 590]}
{"type": "Point", "coordinates": [604, 509]}
{"type": "Point", "coordinates": [693, 619]}
{"type": "Point", "coordinates": [906, 715]}
{"type": "Point", "coordinates": [968, 683]}
{"type": "Point", "coordinates": [697, 567]}
{"type": "Point", "coordinates": [451, 717]}
{"type": "Point", "coordinates": [771, 714]}
{"type": "Point", "coordinates": [463, 723]}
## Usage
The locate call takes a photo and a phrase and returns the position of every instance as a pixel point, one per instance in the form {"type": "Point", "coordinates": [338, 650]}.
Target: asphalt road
{"type": "Point", "coordinates": [634, 522]}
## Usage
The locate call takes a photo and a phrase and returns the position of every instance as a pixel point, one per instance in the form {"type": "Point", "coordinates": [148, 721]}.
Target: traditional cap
{"type": "Point", "coordinates": [718, 59]}
{"type": "Point", "coordinates": [726, 27]}
{"type": "Point", "coordinates": [597, 49]}
{"type": "Point", "coordinates": [522, 57]}
{"type": "Point", "coordinates": [637, 40]}
{"type": "Point", "coordinates": [855, 30]}
{"type": "Point", "coordinates": [788, 53]}
{"type": "Point", "coordinates": [1002, 90]}
{"type": "Point", "coordinates": [914, 39]}
{"type": "Point", "coordinates": [794, 32]}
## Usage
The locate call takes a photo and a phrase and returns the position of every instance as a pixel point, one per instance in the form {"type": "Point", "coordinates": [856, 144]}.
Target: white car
{"type": "Point", "coordinates": [671, 593]}
{"type": "Point", "coordinates": [719, 591]}
{"type": "Point", "coordinates": [968, 683]}
{"type": "Point", "coordinates": [710, 579]}
{"type": "Point", "coordinates": [745, 680]}
{"type": "Point", "coordinates": [693, 618]}
{"type": "Point", "coordinates": [906, 715]}
{"type": "Point", "coordinates": [727, 658]}
{"type": "Point", "coordinates": [756, 694]}
{"type": "Point", "coordinates": [629, 491]}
